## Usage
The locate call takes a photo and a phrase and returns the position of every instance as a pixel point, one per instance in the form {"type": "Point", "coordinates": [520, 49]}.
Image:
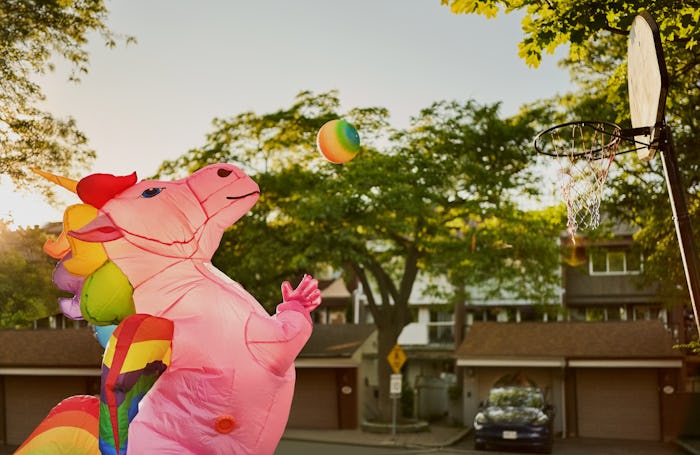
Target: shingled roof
{"type": "Point", "coordinates": [50, 348]}
{"type": "Point", "coordinates": [336, 340]}
{"type": "Point", "coordinates": [570, 340]}
{"type": "Point", "coordinates": [47, 348]}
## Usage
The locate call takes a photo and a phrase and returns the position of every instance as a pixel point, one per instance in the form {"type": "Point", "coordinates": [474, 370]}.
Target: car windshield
{"type": "Point", "coordinates": [516, 397]}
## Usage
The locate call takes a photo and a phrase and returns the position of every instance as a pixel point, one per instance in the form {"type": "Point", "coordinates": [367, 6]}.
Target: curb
{"type": "Point", "coordinates": [689, 448]}
{"type": "Point", "coordinates": [382, 443]}
{"type": "Point", "coordinates": [454, 439]}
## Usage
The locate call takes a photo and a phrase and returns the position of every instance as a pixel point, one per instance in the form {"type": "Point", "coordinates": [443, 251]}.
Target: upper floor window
{"type": "Point", "coordinates": [614, 262]}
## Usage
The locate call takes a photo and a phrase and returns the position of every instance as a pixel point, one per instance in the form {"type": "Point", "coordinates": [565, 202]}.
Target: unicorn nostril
{"type": "Point", "coordinates": [224, 172]}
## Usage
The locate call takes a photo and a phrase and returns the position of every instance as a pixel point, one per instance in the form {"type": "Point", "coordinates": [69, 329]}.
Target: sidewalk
{"type": "Point", "coordinates": [436, 436]}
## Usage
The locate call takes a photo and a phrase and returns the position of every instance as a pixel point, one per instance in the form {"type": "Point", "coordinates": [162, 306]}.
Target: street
{"type": "Point", "coordinates": [313, 448]}
{"type": "Point", "coordinates": [561, 447]}
{"type": "Point", "coordinates": [466, 446]}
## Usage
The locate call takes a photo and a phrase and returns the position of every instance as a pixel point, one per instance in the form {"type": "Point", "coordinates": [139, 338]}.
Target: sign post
{"type": "Point", "coordinates": [395, 394]}
{"type": "Point", "coordinates": [396, 359]}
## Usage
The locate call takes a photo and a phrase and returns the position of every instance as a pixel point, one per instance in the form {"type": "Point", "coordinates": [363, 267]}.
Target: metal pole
{"type": "Point", "coordinates": [393, 417]}
{"type": "Point", "coordinates": [681, 218]}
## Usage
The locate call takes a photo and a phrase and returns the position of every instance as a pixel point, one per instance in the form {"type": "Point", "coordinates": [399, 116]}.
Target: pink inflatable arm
{"type": "Point", "coordinates": [276, 341]}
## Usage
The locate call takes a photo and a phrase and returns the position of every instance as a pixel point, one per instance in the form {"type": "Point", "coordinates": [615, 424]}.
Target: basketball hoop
{"type": "Point", "coordinates": [584, 151]}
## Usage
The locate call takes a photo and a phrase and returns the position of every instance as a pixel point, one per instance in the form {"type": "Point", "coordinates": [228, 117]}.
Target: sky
{"type": "Point", "coordinates": [143, 103]}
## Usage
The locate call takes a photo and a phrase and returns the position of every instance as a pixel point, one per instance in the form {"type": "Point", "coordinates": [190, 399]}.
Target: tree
{"type": "Point", "coordinates": [26, 290]}
{"type": "Point", "coordinates": [31, 34]}
{"type": "Point", "coordinates": [597, 35]}
{"type": "Point", "coordinates": [393, 212]}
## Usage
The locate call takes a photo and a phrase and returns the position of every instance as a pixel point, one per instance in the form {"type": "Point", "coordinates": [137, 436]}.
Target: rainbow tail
{"type": "Point", "coordinates": [71, 428]}
{"type": "Point", "coordinates": [138, 352]}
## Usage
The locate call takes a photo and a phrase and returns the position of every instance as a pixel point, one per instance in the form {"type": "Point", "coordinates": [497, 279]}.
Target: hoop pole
{"type": "Point", "coordinates": [681, 219]}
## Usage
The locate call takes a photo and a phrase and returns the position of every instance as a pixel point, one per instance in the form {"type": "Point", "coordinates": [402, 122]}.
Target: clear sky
{"type": "Point", "coordinates": [194, 61]}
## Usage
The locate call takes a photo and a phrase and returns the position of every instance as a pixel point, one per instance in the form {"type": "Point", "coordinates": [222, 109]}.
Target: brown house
{"type": "Point", "coordinates": [335, 371]}
{"type": "Point", "coordinates": [38, 369]}
{"type": "Point", "coordinates": [606, 380]}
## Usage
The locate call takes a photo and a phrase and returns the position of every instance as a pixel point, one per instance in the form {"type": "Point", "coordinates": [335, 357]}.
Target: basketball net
{"type": "Point", "coordinates": [584, 153]}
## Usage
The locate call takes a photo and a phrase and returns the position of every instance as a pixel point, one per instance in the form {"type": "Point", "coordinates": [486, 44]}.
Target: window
{"type": "Point", "coordinates": [614, 261]}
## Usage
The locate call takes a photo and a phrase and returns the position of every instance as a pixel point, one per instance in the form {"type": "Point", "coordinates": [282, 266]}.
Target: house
{"type": "Point", "coordinates": [336, 377]}
{"type": "Point", "coordinates": [605, 379]}
{"type": "Point", "coordinates": [600, 285]}
{"type": "Point", "coordinates": [336, 302]}
{"type": "Point", "coordinates": [430, 343]}
{"type": "Point", "coordinates": [601, 281]}
{"type": "Point", "coordinates": [38, 369]}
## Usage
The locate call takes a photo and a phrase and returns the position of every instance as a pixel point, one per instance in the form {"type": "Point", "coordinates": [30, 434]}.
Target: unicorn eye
{"type": "Point", "coordinates": [151, 192]}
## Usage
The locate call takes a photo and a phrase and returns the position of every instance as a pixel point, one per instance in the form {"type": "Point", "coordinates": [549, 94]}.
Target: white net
{"type": "Point", "coordinates": [584, 152]}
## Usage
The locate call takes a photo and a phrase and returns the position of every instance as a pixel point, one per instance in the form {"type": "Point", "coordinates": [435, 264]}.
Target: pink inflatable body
{"type": "Point", "coordinates": [229, 384]}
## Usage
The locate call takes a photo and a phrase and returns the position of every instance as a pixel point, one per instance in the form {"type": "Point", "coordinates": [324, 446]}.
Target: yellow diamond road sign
{"type": "Point", "coordinates": [396, 358]}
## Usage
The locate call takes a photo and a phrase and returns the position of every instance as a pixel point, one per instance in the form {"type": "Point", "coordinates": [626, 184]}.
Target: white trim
{"type": "Point", "coordinates": [625, 363]}
{"type": "Point", "coordinates": [514, 362]}
{"type": "Point", "coordinates": [50, 371]}
{"type": "Point", "coordinates": [325, 363]}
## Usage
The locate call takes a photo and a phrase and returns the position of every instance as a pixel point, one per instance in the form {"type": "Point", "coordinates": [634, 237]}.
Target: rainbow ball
{"type": "Point", "coordinates": [338, 141]}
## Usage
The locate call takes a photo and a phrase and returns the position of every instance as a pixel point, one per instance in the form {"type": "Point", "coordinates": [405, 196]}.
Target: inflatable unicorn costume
{"type": "Point", "coordinates": [195, 364]}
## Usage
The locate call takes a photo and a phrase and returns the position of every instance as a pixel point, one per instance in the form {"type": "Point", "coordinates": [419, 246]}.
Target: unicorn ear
{"type": "Point", "coordinates": [101, 229]}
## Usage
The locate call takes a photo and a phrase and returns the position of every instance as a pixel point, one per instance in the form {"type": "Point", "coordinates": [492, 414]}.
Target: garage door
{"type": "Point", "coordinates": [315, 403]}
{"type": "Point", "coordinates": [618, 404]}
{"type": "Point", "coordinates": [28, 399]}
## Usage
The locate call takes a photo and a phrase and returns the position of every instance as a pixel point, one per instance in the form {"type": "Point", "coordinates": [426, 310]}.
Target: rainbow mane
{"type": "Point", "coordinates": [102, 294]}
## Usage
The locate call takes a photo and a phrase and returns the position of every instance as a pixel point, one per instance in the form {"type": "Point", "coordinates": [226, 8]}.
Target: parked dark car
{"type": "Point", "coordinates": [514, 417]}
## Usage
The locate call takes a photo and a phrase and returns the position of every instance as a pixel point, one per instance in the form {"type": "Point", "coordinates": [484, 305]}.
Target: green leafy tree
{"type": "Point", "coordinates": [596, 34]}
{"type": "Point", "coordinates": [393, 212]}
{"type": "Point", "coordinates": [26, 290]}
{"type": "Point", "coordinates": [33, 32]}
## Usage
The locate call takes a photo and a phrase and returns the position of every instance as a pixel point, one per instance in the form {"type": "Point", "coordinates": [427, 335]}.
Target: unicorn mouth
{"type": "Point", "coordinates": [234, 198]}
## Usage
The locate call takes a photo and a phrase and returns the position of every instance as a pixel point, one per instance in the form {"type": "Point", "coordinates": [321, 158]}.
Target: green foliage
{"type": "Point", "coordinates": [31, 34]}
{"type": "Point", "coordinates": [550, 24]}
{"type": "Point", "coordinates": [693, 346]}
{"type": "Point", "coordinates": [394, 210]}
{"type": "Point", "coordinates": [26, 290]}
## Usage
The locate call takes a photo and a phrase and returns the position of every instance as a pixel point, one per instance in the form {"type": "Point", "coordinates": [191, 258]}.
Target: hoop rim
{"type": "Point", "coordinates": [603, 151]}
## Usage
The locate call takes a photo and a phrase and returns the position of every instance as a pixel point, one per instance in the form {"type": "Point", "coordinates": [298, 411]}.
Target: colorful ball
{"type": "Point", "coordinates": [338, 141]}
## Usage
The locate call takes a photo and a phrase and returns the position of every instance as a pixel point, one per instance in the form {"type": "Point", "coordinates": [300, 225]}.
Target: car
{"type": "Point", "coordinates": [514, 417]}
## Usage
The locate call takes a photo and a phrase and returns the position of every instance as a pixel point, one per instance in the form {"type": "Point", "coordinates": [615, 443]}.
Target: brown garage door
{"type": "Point", "coordinates": [28, 399]}
{"type": "Point", "coordinates": [315, 403]}
{"type": "Point", "coordinates": [618, 403]}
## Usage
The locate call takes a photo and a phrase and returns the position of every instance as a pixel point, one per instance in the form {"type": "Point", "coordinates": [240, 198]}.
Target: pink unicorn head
{"type": "Point", "coordinates": [179, 219]}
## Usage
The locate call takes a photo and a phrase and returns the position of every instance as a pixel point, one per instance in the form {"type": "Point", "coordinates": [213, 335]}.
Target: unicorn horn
{"type": "Point", "coordinates": [65, 182]}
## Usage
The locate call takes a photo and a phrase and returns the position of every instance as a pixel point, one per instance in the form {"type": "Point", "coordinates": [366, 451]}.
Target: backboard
{"type": "Point", "coordinates": [647, 81]}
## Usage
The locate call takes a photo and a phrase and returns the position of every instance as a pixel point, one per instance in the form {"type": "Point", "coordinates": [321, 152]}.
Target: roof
{"type": "Point", "coordinates": [334, 293]}
{"type": "Point", "coordinates": [50, 348]}
{"type": "Point", "coordinates": [572, 340]}
{"type": "Point", "coordinates": [78, 347]}
{"type": "Point", "coordinates": [335, 289]}
{"type": "Point", "coordinates": [336, 340]}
